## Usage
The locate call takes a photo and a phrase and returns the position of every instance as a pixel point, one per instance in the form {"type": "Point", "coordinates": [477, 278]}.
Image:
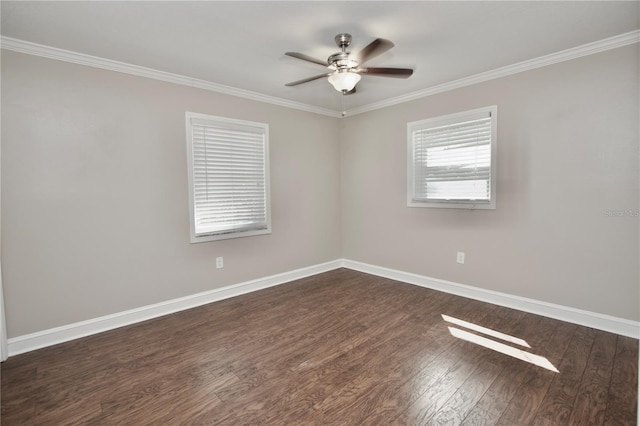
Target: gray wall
{"type": "Point", "coordinates": [567, 154]}
{"type": "Point", "coordinates": [95, 195]}
{"type": "Point", "coordinates": [95, 201]}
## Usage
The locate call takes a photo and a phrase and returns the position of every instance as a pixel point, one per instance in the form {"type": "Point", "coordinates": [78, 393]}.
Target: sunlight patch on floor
{"type": "Point", "coordinates": [487, 331]}
{"type": "Point", "coordinates": [514, 352]}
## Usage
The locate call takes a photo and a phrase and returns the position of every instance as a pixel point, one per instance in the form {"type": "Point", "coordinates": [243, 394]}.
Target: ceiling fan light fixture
{"type": "Point", "coordinates": [344, 81]}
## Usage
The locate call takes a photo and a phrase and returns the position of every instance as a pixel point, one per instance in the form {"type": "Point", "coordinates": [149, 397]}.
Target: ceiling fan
{"type": "Point", "coordinates": [345, 68]}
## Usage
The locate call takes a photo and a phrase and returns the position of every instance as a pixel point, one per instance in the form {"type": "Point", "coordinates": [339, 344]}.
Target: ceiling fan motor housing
{"type": "Point", "coordinates": [341, 60]}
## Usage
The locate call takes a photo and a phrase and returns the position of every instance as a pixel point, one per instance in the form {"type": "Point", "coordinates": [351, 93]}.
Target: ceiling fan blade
{"type": "Point", "coordinates": [306, 58]}
{"type": "Point", "coordinates": [373, 49]}
{"type": "Point", "coordinates": [387, 72]}
{"type": "Point", "coordinates": [306, 80]}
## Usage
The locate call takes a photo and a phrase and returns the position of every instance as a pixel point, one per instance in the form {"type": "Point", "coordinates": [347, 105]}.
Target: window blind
{"type": "Point", "coordinates": [229, 163]}
{"type": "Point", "coordinates": [452, 162]}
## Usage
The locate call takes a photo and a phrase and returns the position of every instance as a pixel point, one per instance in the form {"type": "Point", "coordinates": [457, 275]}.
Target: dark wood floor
{"type": "Point", "coordinates": [340, 348]}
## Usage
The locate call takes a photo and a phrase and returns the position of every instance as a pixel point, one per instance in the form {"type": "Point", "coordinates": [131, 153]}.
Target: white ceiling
{"type": "Point", "coordinates": [242, 44]}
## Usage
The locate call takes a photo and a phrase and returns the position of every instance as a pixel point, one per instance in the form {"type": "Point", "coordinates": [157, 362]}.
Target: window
{"type": "Point", "coordinates": [452, 160]}
{"type": "Point", "coordinates": [228, 177]}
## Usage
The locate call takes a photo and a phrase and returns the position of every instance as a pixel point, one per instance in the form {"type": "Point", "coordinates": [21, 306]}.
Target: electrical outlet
{"type": "Point", "coordinates": [219, 262]}
{"type": "Point", "coordinates": [460, 257]}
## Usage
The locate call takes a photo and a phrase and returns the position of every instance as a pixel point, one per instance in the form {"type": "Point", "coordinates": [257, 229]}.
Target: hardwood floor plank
{"type": "Point", "coordinates": [436, 397]}
{"type": "Point", "coordinates": [497, 397]}
{"type": "Point", "coordinates": [535, 331]}
{"type": "Point", "coordinates": [347, 364]}
{"type": "Point", "coordinates": [591, 400]}
{"type": "Point", "coordinates": [558, 403]}
{"type": "Point", "coordinates": [622, 400]}
{"type": "Point", "coordinates": [391, 372]}
{"type": "Point", "coordinates": [523, 407]}
{"type": "Point", "coordinates": [410, 380]}
{"type": "Point", "coordinates": [339, 348]}
{"type": "Point", "coordinates": [469, 393]}
{"type": "Point", "coordinates": [338, 373]}
{"type": "Point", "coordinates": [162, 398]}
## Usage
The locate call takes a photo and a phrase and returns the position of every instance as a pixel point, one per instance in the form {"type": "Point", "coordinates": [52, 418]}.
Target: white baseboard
{"type": "Point", "coordinates": [595, 320]}
{"type": "Point", "coordinates": [53, 336]}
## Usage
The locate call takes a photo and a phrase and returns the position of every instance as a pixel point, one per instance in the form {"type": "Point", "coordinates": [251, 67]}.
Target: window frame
{"type": "Point", "coordinates": [449, 119]}
{"type": "Point", "coordinates": [225, 122]}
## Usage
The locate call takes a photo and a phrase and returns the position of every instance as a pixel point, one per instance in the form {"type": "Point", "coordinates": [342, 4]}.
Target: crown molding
{"type": "Point", "coordinates": [29, 48]}
{"type": "Point", "coordinates": [49, 52]}
{"type": "Point", "coordinates": [542, 61]}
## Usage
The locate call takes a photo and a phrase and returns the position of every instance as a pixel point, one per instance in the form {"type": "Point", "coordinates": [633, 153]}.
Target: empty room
{"type": "Point", "coordinates": [320, 213]}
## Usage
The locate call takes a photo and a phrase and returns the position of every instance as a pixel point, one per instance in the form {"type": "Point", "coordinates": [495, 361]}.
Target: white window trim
{"type": "Point", "coordinates": [441, 121]}
{"type": "Point", "coordinates": [194, 238]}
